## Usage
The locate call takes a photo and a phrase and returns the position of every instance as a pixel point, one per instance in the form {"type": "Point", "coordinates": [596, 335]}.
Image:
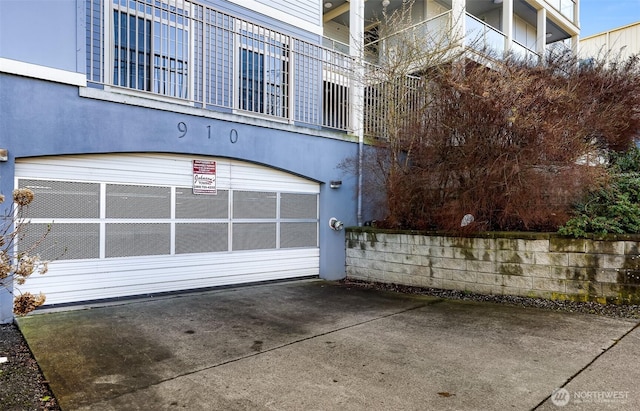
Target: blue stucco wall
{"type": "Point", "coordinates": [44, 118]}
{"type": "Point", "coordinates": [39, 118]}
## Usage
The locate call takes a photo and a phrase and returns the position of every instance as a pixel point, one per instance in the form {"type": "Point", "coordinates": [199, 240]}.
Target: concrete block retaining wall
{"type": "Point", "coordinates": [525, 264]}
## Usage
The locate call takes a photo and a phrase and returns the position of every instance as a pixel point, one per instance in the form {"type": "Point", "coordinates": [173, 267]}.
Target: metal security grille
{"type": "Point", "coordinates": [254, 236]}
{"type": "Point", "coordinates": [94, 33]}
{"type": "Point", "coordinates": [254, 204]}
{"type": "Point", "coordinates": [73, 200]}
{"type": "Point", "coordinates": [137, 239]}
{"type": "Point", "coordinates": [189, 205]}
{"type": "Point", "coordinates": [133, 201]}
{"type": "Point", "coordinates": [298, 206]}
{"type": "Point", "coordinates": [202, 238]}
{"type": "Point", "coordinates": [63, 199]}
{"type": "Point", "coordinates": [151, 46]}
{"type": "Point", "coordinates": [64, 241]}
{"type": "Point", "coordinates": [264, 71]}
{"type": "Point", "coordinates": [298, 235]}
{"type": "Point", "coordinates": [97, 220]}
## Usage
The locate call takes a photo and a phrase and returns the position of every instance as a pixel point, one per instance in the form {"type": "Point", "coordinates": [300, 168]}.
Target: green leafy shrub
{"type": "Point", "coordinates": [614, 208]}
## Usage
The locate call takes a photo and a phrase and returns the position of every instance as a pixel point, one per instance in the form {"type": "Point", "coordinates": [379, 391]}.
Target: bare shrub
{"type": "Point", "coordinates": [17, 266]}
{"type": "Point", "coordinates": [514, 144]}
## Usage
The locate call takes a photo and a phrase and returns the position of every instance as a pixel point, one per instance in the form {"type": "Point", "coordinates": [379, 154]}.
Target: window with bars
{"type": "Point", "coordinates": [132, 51]}
{"type": "Point", "coordinates": [151, 46]}
{"type": "Point", "coordinates": [264, 72]}
{"type": "Point", "coordinates": [252, 81]}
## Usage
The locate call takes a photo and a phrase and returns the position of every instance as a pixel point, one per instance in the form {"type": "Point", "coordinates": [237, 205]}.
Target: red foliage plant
{"type": "Point", "coordinates": [513, 145]}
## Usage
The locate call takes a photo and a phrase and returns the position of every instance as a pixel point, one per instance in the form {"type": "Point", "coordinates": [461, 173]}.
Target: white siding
{"type": "Point", "coordinates": [594, 46]}
{"type": "Point", "coordinates": [83, 280]}
{"type": "Point", "coordinates": [75, 280]}
{"type": "Point", "coordinates": [305, 14]}
{"type": "Point", "coordinates": [621, 42]}
{"type": "Point", "coordinates": [524, 33]}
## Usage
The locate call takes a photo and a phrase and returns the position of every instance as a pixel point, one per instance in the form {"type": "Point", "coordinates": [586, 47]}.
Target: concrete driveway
{"type": "Point", "coordinates": [316, 345]}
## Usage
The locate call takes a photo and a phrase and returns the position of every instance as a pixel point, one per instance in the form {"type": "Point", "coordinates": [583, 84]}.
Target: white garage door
{"type": "Point", "coordinates": [124, 225]}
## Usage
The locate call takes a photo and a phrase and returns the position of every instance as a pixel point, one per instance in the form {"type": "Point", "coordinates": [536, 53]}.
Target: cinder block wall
{"type": "Point", "coordinates": [524, 264]}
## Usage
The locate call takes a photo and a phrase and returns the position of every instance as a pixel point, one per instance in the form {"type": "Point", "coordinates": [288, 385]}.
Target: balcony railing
{"type": "Point", "coordinates": [432, 33]}
{"type": "Point", "coordinates": [335, 45]}
{"type": "Point", "coordinates": [523, 52]}
{"type": "Point", "coordinates": [485, 39]}
{"type": "Point", "coordinates": [391, 104]}
{"type": "Point", "coordinates": [565, 7]}
{"type": "Point", "coordinates": [190, 52]}
{"type": "Point", "coordinates": [482, 37]}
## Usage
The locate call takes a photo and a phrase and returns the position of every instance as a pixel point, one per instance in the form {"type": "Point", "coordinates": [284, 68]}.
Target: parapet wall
{"type": "Point", "coordinates": [524, 264]}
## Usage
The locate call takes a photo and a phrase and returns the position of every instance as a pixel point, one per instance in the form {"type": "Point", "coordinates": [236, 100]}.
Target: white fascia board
{"type": "Point", "coordinates": [21, 68]}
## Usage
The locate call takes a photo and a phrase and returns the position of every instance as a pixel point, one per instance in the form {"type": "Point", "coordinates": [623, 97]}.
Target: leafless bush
{"type": "Point", "coordinates": [514, 143]}
{"type": "Point", "coordinates": [19, 266]}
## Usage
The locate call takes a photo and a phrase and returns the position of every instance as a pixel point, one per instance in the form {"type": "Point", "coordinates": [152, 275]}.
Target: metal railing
{"type": "Point", "coordinates": [335, 45]}
{"type": "Point", "coordinates": [482, 37]}
{"type": "Point", "coordinates": [565, 7]}
{"type": "Point", "coordinates": [432, 33]}
{"type": "Point", "coordinates": [523, 52]}
{"type": "Point", "coordinates": [391, 104]}
{"type": "Point", "coordinates": [191, 52]}
{"type": "Point", "coordinates": [393, 97]}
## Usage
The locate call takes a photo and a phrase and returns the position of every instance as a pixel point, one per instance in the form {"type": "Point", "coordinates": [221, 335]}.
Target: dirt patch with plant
{"type": "Point", "coordinates": [22, 384]}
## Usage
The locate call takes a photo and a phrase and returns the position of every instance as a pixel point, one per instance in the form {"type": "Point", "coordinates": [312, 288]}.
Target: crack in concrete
{"type": "Point", "coordinates": [425, 304]}
{"type": "Point", "coordinates": [589, 364]}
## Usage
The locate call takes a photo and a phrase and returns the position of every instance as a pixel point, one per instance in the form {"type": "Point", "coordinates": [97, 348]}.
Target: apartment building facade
{"type": "Point", "coordinates": [176, 145]}
{"type": "Point", "coordinates": [523, 27]}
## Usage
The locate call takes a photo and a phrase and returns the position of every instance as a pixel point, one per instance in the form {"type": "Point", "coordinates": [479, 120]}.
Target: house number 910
{"type": "Point", "coordinates": [182, 128]}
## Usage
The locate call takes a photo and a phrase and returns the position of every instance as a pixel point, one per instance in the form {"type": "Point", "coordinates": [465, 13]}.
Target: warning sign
{"type": "Point", "coordinates": [204, 177]}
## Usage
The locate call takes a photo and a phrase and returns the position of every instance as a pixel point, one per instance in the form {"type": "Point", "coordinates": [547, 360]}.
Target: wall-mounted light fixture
{"type": "Point", "coordinates": [4, 154]}
{"type": "Point", "coordinates": [328, 5]}
{"type": "Point", "coordinates": [335, 224]}
{"type": "Point", "coordinates": [549, 35]}
{"type": "Point", "coordinates": [335, 183]}
{"type": "Point", "coordinates": [385, 3]}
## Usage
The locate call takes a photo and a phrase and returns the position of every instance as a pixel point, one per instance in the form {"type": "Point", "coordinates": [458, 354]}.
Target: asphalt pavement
{"type": "Point", "coordinates": [317, 345]}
